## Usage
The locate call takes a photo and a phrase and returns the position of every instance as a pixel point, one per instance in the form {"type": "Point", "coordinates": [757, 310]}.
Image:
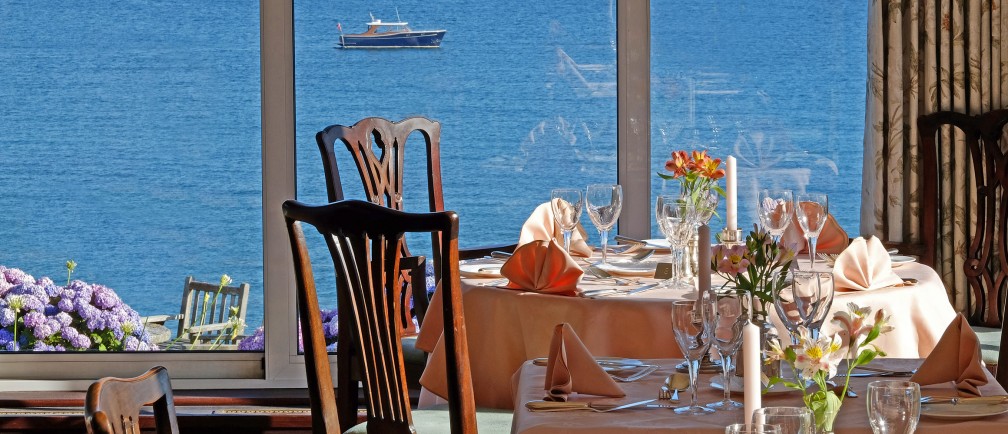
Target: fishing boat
{"type": "Point", "coordinates": [397, 34]}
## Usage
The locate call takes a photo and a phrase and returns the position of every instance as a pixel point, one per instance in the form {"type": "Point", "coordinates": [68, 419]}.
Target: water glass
{"type": "Point", "coordinates": [811, 211]}
{"type": "Point", "coordinates": [676, 220]}
{"type": "Point", "coordinates": [727, 340]}
{"type": "Point", "coordinates": [791, 420]}
{"type": "Point", "coordinates": [805, 302]}
{"type": "Point", "coordinates": [893, 406]}
{"type": "Point", "coordinates": [691, 324]}
{"type": "Point", "coordinates": [604, 202]}
{"type": "Point", "coordinates": [775, 208]}
{"type": "Point", "coordinates": [566, 204]}
{"type": "Point", "coordinates": [741, 428]}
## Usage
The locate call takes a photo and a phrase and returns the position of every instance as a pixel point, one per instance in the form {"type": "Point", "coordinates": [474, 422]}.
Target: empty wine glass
{"type": "Point", "coordinates": [604, 202]}
{"type": "Point", "coordinates": [727, 339]}
{"type": "Point", "coordinates": [775, 208]}
{"type": "Point", "coordinates": [805, 302]}
{"type": "Point", "coordinates": [676, 220]}
{"type": "Point", "coordinates": [566, 203]}
{"type": "Point", "coordinates": [893, 406]}
{"type": "Point", "coordinates": [691, 324]}
{"type": "Point", "coordinates": [791, 420]}
{"type": "Point", "coordinates": [811, 211]}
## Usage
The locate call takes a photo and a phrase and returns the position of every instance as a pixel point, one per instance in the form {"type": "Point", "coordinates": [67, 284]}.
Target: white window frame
{"type": "Point", "coordinates": [280, 365]}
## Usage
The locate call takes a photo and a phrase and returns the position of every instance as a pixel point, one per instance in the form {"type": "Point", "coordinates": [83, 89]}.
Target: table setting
{"type": "Point", "coordinates": [618, 299]}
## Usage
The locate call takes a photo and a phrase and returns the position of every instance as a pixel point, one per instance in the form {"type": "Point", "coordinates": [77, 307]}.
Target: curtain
{"type": "Point", "coordinates": [926, 56]}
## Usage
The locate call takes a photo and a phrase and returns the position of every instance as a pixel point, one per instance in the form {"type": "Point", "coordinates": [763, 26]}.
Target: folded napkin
{"type": "Point", "coordinates": [542, 226]}
{"type": "Point", "coordinates": [832, 238]}
{"type": "Point", "coordinates": [542, 266]}
{"type": "Point", "coordinates": [863, 266]}
{"type": "Point", "coordinates": [571, 368]}
{"type": "Point", "coordinates": [955, 358]}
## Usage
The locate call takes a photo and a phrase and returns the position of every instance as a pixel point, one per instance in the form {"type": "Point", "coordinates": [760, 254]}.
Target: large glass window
{"type": "Point", "coordinates": [780, 87]}
{"type": "Point", "coordinates": [131, 146]}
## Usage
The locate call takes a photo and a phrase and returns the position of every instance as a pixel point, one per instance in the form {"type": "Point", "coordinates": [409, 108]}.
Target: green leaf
{"type": "Point", "coordinates": [824, 405]}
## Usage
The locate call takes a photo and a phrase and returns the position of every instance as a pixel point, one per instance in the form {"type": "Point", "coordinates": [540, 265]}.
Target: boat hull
{"type": "Point", "coordinates": [423, 39]}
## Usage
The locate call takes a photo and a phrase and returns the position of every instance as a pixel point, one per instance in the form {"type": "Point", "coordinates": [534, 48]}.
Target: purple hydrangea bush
{"type": "Point", "coordinates": [257, 342]}
{"type": "Point", "coordinates": [39, 315]}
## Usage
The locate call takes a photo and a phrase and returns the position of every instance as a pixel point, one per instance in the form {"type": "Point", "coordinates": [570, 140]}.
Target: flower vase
{"type": "Point", "coordinates": [825, 405]}
{"type": "Point", "coordinates": [689, 265]}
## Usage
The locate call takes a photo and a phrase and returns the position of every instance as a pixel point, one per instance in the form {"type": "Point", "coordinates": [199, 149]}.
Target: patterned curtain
{"type": "Point", "coordinates": [926, 56]}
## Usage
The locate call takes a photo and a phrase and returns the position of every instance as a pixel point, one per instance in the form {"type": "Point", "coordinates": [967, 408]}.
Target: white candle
{"type": "Point", "coordinates": [703, 259]}
{"type": "Point", "coordinates": [731, 190]}
{"type": "Point", "coordinates": [751, 383]}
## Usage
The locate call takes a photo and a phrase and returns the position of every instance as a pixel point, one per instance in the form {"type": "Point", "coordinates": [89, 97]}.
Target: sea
{"type": "Point", "coordinates": [130, 131]}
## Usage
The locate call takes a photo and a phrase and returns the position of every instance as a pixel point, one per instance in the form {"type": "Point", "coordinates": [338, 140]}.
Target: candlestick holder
{"type": "Point", "coordinates": [731, 238]}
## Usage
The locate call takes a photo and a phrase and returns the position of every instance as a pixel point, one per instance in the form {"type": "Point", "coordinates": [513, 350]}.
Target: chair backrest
{"type": "Point", "coordinates": [112, 405]}
{"type": "Point", "coordinates": [985, 261]}
{"type": "Point", "coordinates": [363, 240]}
{"type": "Point", "coordinates": [382, 177]}
{"type": "Point", "coordinates": [209, 311]}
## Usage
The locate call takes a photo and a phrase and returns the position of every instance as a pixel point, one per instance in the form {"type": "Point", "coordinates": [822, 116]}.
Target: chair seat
{"type": "Point", "coordinates": [435, 420]}
{"type": "Point", "coordinates": [990, 344]}
{"type": "Point", "coordinates": [416, 361]}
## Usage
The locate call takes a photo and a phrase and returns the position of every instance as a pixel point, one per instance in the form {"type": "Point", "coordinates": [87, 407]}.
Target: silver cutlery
{"type": "Point", "coordinates": [497, 254]}
{"type": "Point", "coordinates": [599, 273]}
{"type": "Point", "coordinates": [573, 406]}
{"type": "Point", "coordinates": [829, 258]}
{"type": "Point", "coordinates": [644, 372]}
{"type": "Point", "coordinates": [955, 400]}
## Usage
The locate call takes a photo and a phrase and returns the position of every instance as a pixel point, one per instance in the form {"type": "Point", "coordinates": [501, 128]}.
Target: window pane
{"type": "Point", "coordinates": [524, 107]}
{"type": "Point", "coordinates": [131, 145]}
{"type": "Point", "coordinates": [781, 88]}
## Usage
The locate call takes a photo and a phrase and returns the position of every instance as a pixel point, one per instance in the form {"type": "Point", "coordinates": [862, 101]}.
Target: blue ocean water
{"type": "Point", "coordinates": [132, 130]}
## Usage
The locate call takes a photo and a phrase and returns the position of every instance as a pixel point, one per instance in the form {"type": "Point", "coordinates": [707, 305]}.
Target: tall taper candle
{"type": "Point", "coordinates": [703, 259]}
{"type": "Point", "coordinates": [731, 190]}
{"type": "Point", "coordinates": [751, 383]}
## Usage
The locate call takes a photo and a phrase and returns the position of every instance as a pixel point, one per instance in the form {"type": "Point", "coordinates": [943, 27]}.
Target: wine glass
{"type": "Point", "coordinates": [604, 202]}
{"type": "Point", "coordinates": [893, 406]}
{"type": "Point", "coordinates": [676, 220]}
{"type": "Point", "coordinates": [775, 208]}
{"type": "Point", "coordinates": [805, 302]}
{"type": "Point", "coordinates": [791, 420]}
{"type": "Point", "coordinates": [811, 211]}
{"type": "Point", "coordinates": [691, 324]}
{"type": "Point", "coordinates": [566, 204]}
{"type": "Point", "coordinates": [727, 339]}
{"type": "Point", "coordinates": [742, 428]}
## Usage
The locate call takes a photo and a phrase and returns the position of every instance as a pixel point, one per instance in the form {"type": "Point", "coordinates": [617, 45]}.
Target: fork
{"type": "Point", "coordinates": [599, 273]}
{"type": "Point", "coordinates": [645, 371]}
{"type": "Point", "coordinates": [830, 258]}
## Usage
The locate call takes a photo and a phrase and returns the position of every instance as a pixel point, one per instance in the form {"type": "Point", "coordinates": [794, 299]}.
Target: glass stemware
{"type": "Point", "coordinates": [775, 208]}
{"type": "Point", "coordinates": [676, 220]}
{"type": "Point", "coordinates": [791, 420]}
{"type": "Point", "coordinates": [727, 340]}
{"type": "Point", "coordinates": [805, 302]}
{"type": "Point", "coordinates": [893, 406]}
{"type": "Point", "coordinates": [604, 202]}
{"type": "Point", "coordinates": [811, 211]}
{"type": "Point", "coordinates": [566, 204]}
{"type": "Point", "coordinates": [691, 324]}
{"type": "Point", "coordinates": [742, 428]}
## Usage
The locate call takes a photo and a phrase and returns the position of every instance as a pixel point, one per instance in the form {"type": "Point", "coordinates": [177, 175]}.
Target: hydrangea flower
{"type": "Point", "coordinates": [39, 315]}
{"type": "Point", "coordinates": [257, 342]}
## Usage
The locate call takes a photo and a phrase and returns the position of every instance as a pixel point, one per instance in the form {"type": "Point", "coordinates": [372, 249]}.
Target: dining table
{"type": "Point", "coordinates": [852, 418]}
{"type": "Point", "coordinates": [507, 327]}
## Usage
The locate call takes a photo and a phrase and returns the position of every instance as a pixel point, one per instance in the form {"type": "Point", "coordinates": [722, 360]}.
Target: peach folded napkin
{"type": "Point", "coordinates": [832, 238]}
{"type": "Point", "coordinates": [542, 266]}
{"type": "Point", "coordinates": [571, 368]}
{"type": "Point", "coordinates": [542, 226]}
{"type": "Point", "coordinates": [955, 358]}
{"type": "Point", "coordinates": [863, 266]}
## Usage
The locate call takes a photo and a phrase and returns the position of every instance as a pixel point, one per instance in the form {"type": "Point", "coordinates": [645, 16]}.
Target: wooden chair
{"type": "Point", "coordinates": [112, 405]}
{"type": "Point", "coordinates": [986, 255]}
{"type": "Point", "coordinates": [207, 325]}
{"type": "Point", "coordinates": [364, 240]}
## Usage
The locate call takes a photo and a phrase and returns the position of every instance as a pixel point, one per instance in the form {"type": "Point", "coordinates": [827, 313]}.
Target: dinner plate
{"type": "Point", "coordinates": [480, 270]}
{"type": "Point", "coordinates": [629, 268]}
{"type": "Point", "coordinates": [898, 260]}
{"type": "Point", "coordinates": [736, 386]}
{"type": "Point", "coordinates": [608, 364]}
{"type": "Point", "coordinates": [949, 411]}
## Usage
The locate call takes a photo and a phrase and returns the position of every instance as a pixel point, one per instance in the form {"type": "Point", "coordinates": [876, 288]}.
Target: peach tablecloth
{"type": "Point", "coordinates": [507, 327]}
{"type": "Point", "coordinates": [853, 417]}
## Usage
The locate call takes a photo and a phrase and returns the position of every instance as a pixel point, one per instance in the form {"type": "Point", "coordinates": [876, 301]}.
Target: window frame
{"type": "Point", "coordinates": [280, 365]}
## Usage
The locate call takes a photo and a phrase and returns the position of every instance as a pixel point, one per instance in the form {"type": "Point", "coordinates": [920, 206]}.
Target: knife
{"type": "Point", "coordinates": [643, 288]}
{"type": "Point", "coordinates": [564, 406]}
{"type": "Point", "coordinates": [629, 240]}
{"type": "Point", "coordinates": [955, 400]}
